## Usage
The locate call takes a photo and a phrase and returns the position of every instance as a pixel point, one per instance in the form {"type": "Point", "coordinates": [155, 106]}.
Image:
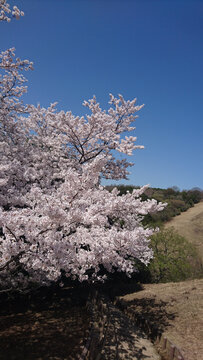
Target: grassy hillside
{"type": "Point", "coordinates": [177, 310]}
{"type": "Point", "coordinates": [190, 225]}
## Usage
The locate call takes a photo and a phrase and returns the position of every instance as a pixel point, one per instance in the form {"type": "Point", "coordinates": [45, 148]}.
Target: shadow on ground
{"type": "Point", "coordinates": [45, 326]}
{"type": "Point", "coordinates": [150, 314]}
{"type": "Point", "coordinates": [126, 341]}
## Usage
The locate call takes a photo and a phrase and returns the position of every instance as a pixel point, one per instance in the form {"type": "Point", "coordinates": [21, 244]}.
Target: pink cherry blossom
{"type": "Point", "coordinates": [55, 217]}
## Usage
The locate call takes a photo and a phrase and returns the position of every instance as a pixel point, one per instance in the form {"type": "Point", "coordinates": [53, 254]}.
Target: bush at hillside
{"type": "Point", "coordinates": [175, 259]}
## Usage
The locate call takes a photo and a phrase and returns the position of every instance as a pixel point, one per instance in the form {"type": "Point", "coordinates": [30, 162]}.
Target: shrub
{"type": "Point", "coordinates": [175, 259]}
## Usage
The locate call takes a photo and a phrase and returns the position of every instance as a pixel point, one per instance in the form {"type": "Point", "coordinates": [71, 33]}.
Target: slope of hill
{"type": "Point", "coordinates": [190, 225]}
{"type": "Point", "coordinates": [176, 309]}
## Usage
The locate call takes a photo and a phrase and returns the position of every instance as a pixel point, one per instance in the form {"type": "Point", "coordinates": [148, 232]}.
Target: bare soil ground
{"type": "Point", "coordinates": [190, 225]}
{"type": "Point", "coordinates": [177, 309]}
{"type": "Point", "coordinates": [54, 330]}
{"type": "Point", "coordinates": [125, 341]}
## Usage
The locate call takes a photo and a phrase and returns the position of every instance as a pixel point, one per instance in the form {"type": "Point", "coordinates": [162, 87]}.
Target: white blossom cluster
{"type": "Point", "coordinates": [56, 219]}
{"type": "Point", "coordinates": [6, 13]}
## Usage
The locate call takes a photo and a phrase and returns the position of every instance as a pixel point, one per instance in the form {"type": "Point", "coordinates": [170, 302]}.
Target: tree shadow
{"type": "Point", "coordinates": [124, 340]}
{"type": "Point", "coordinates": [54, 333]}
{"type": "Point", "coordinates": [47, 324]}
{"type": "Point", "coordinates": [151, 314]}
{"type": "Point", "coordinates": [119, 284]}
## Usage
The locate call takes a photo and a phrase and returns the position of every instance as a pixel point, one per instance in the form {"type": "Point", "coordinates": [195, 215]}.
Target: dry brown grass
{"type": "Point", "coordinates": [177, 309]}
{"type": "Point", "coordinates": [190, 225]}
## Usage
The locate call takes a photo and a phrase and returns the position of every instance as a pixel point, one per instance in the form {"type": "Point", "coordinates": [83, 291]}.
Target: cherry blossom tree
{"type": "Point", "coordinates": [6, 13]}
{"type": "Point", "coordinates": [56, 220]}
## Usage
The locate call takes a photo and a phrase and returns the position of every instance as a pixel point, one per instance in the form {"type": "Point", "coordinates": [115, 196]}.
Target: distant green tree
{"type": "Point", "coordinates": [174, 259]}
{"type": "Point", "coordinates": [192, 196]}
{"type": "Point", "coordinates": [169, 192]}
{"type": "Point", "coordinates": [175, 188]}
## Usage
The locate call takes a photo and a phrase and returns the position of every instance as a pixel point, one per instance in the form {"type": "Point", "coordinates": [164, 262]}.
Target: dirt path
{"type": "Point", "coordinates": [176, 309]}
{"type": "Point", "coordinates": [124, 341]}
{"type": "Point", "coordinates": [56, 328]}
{"type": "Point", "coordinates": [190, 225]}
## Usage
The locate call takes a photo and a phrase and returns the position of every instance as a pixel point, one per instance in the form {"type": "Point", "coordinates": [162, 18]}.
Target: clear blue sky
{"type": "Point", "coordinates": [152, 50]}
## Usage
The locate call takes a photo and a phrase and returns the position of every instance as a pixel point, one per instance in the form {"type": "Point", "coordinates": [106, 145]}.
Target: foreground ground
{"type": "Point", "coordinates": [190, 225]}
{"type": "Point", "coordinates": [55, 327]}
{"type": "Point", "coordinates": [177, 309]}
{"type": "Point", "coordinates": [43, 329]}
{"type": "Point", "coordinates": [125, 341]}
